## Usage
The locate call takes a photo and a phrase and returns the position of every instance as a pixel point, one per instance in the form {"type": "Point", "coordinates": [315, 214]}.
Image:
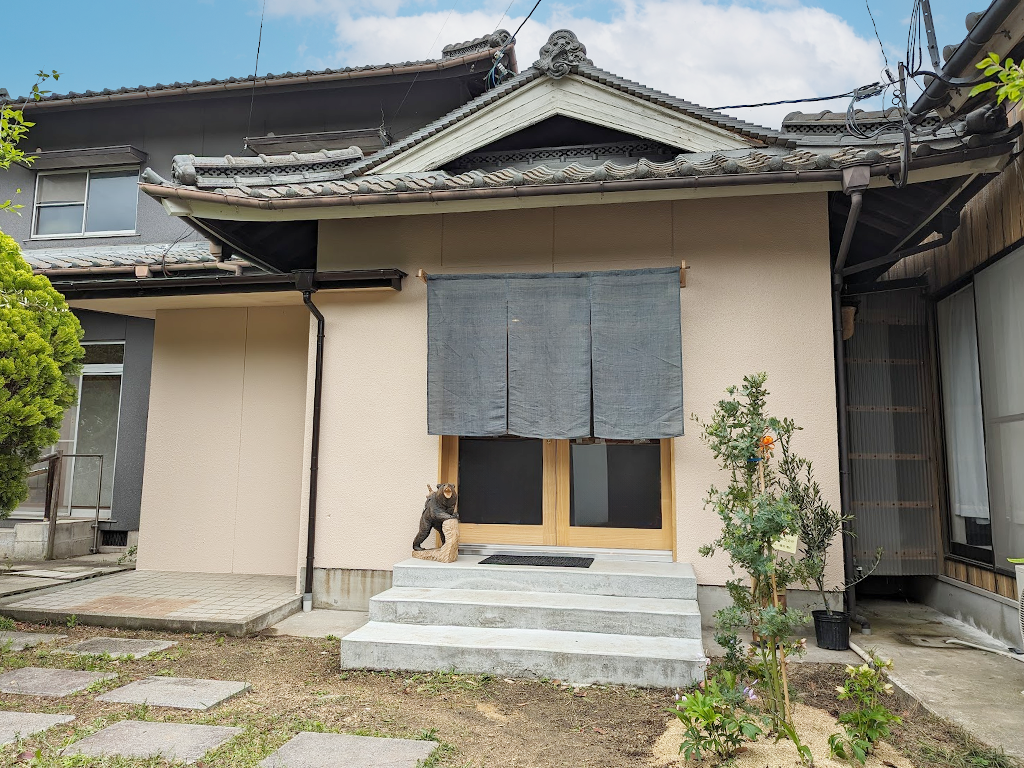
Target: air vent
{"type": "Point", "coordinates": [114, 538]}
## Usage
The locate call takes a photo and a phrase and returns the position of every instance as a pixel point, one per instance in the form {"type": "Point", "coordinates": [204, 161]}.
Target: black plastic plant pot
{"type": "Point", "coordinates": [832, 632]}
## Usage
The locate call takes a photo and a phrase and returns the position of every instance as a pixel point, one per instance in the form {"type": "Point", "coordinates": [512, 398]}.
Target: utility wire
{"type": "Point", "coordinates": [416, 76]}
{"type": "Point", "coordinates": [875, 27]}
{"type": "Point", "coordinates": [252, 97]}
{"type": "Point", "coordinates": [789, 101]}
{"type": "Point", "coordinates": [493, 78]}
{"type": "Point", "coordinates": [503, 16]}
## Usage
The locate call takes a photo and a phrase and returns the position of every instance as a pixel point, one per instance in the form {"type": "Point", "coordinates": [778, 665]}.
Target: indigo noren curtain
{"type": "Point", "coordinates": [555, 355]}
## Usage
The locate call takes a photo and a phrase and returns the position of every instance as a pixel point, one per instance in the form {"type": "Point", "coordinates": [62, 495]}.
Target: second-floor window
{"type": "Point", "coordinates": [79, 203]}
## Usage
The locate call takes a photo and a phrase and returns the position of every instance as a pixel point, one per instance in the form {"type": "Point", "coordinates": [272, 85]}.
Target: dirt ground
{"type": "Point", "coordinates": [480, 722]}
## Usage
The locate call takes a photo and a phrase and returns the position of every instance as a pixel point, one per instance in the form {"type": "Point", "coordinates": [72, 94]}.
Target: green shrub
{"type": "Point", "coordinates": [39, 352]}
{"type": "Point", "coordinates": [870, 720]}
{"type": "Point", "coordinates": [716, 718]}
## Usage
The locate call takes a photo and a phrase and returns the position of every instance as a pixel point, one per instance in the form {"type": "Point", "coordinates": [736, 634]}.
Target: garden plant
{"type": "Point", "coordinates": [718, 718]}
{"type": "Point", "coordinates": [870, 720]}
{"type": "Point", "coordinates": [756, 513]}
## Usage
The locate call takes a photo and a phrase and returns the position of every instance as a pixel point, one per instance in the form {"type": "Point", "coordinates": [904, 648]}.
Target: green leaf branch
{"type": "Point", "coordinates": [1008, 78]}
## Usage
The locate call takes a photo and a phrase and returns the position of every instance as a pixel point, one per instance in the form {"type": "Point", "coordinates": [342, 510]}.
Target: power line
{"type": "Point", "coordinates": [436, 38]}
{"type": "Point", "coordinates": [492, 78]}
{"type": "Point", "coordinates": [791, 101]}
{"type": "Point", "coordinates": [875, 27]}
{"type": "Point", "coordinates": [503, 16]}
{"type": "Point", "coordinates": [252, 98]}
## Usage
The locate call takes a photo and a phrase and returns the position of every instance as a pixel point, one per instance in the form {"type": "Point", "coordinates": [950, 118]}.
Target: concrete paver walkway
{"type": "Point", "coordinates": [43, 681]}
{"type": "Point", "coordinates": [171, 741]}
{"type": "Point", "coordinates": [176, 692]}
{"type": "Point", "coordinates": [323, 750]}
{"type": "Point", "coordinates": [232, 604]}
{"type": "Point", "coordinates": [21, 725]}
{"type": "Point", "coordinates": [983, 692]}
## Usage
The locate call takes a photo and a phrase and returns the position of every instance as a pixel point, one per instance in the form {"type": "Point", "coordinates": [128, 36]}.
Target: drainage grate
{"type": "Point", "coordinates": [114, 538]}
{"type": "Point", "coordinates": [557, 562]}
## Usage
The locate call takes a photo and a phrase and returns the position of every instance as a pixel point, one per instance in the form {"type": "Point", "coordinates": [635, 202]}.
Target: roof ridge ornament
{"type": "Point", "coordinates": [561, 53]}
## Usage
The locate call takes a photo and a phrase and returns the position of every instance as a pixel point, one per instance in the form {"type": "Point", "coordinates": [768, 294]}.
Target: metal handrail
{"type": "Point", "coordinates": [51, 508]}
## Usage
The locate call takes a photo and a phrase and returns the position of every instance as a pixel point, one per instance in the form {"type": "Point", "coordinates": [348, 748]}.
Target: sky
{"type": "Point", "coordinates": [712, 52]}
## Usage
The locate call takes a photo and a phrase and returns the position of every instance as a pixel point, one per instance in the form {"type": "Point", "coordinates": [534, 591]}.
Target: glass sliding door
{"type": "Point", "coordinates": [1000, 309]}
{"type": "Point", "coordinates": [99, 400]}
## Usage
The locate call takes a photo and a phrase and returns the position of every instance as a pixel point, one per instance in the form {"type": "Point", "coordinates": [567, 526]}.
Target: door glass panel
{"type": "Point", "coordinates": [501, 481]}
{"type": "Point", "coordinates": [615, 485]}
{"type": "Point", "coordinates": [99, 402]}
{"type": "Point", "coordinates": [113, 198]}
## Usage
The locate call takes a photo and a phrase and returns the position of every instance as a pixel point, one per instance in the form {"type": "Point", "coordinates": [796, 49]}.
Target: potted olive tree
{"type": "Point", "coordinates": [818, 525]}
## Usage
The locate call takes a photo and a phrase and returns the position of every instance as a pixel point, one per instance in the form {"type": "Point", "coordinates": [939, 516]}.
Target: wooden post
{"type": "Point", "coordinates": [52, 504]}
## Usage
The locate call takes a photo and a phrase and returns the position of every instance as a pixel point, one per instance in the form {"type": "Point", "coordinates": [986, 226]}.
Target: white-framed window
{"type": "Point", "coordinates": [85, 203]}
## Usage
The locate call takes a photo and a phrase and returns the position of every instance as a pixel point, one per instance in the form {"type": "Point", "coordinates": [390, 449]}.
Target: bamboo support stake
{"type": "Point", "coordinates": [775, 599]}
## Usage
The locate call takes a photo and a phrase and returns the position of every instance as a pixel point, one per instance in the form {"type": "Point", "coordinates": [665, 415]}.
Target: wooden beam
{"type": "Point", "coordinates": [682, 274]}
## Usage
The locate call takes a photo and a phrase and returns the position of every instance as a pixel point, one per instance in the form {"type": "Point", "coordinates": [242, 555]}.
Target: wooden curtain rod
{"type": "Point", "coordinates": [422, 275]}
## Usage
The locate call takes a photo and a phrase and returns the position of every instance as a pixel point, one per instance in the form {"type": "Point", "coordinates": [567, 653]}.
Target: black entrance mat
{"type": "Point", "coordinates": [558, 562]}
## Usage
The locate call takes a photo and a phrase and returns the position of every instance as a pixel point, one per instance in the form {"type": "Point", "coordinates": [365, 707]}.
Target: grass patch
{"type": "Point", "coordinates": [447, 682]}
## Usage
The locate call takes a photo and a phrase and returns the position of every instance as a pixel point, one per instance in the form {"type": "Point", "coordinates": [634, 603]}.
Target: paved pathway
{"type": "Point", "coordinates": [233, 604]}
{"type": "Point", "coordinates": [118, 647]}
{"type": "Point", "coordinates": [322, 750]}
{"type": "Point", "coordinates": [171, 741]}
{"type": "Point", "coordinates": [981, 691]}
{"type": "Point", "coordinates": [176, 692]}
{"type": "Point", "coordinates": [21, 725]}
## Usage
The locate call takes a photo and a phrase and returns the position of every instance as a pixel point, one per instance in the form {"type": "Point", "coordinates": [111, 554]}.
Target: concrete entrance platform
{"type": "Point", "coordinates": [176, 692]}
{"type": "Point", "coordinates": [171, 741]}
{"type": "Point", "coordinates": [20, 725]}
{"type": "Point", "coordinates": [323, 750]}
{"type": "Point", "coordinates": [118, 647]}
{"type": "Point", "coordinates": [228, 603]}
{"type": "Point", "coordinates": [53, 683]}
{"type": "Point", "coordinates": [19, 641]}
{"type": "Point", "coordinates": [981, 691]}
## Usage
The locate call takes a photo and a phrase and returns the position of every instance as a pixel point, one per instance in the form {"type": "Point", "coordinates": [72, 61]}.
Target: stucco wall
{"type": "Point", "coordinates": [757, 298]}
{"type": "Point", "coordinates": [223, 464]}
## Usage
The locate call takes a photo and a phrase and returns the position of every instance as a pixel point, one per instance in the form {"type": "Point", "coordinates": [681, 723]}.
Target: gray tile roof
{"type": "Point", "coordinates": [61, 257]}
{"type": "Point", "coordinates": [828, 122]}
{"type": "Point", "coordinates": [472, 48]}
{"type": "Point", "coordinates": [210, 172]}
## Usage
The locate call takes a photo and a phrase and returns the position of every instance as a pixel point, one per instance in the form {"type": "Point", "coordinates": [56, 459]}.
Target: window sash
{"type": "Point", "coordinates": [84, 204]}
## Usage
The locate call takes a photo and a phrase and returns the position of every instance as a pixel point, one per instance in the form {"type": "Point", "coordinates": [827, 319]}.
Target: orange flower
{"type": "Point", "coordinates": [767, 444]}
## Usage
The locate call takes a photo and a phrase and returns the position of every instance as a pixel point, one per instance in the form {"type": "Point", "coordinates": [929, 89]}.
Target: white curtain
{"type": "Point", "coordinates": [1000, 295]}
{"type": "Point", "coordinates": [961, 396]}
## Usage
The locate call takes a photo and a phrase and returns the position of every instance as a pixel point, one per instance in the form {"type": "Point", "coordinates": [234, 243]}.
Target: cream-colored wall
{"type": "Point", "coordinates": [757, 298]}
{"type": "Point", "coordinates": [225, 441]}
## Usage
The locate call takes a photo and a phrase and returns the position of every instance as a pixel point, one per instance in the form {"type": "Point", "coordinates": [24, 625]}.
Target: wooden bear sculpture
{"type": "Point", "coordinates": [440, 507]}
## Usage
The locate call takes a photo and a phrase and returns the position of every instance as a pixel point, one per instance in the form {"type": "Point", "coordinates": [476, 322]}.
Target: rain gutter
{"type": "Point", "coordinates": [988, 25]}
{"type": "Point", "coordinates": [855, 182]}
{"type": "Point", "coordinates": [305, 281]}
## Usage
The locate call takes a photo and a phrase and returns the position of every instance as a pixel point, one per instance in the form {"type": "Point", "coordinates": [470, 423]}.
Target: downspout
{"type": "Point", "coordinates": [304, 281]}
{"type": "Point", "coordinates": [855, 182]}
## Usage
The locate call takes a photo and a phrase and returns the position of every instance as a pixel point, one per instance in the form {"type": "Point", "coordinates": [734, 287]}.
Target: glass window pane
{"type": "Point", "coordinates": [59, 220]}
{"type": "Point", "coordinates": [62, 188]}
{"type": "Point", "coordinates": [99, 403]}
{"type": "Point", "coordinates": [969, 524]}
{"type": "Point", "coordinates": [1000, 292]}
{"type": "Point", "coordinates": [616, 485]}
{"type": "Point", "coordinates": [103, 354]}
{"type": "Point", "coordinates": [113, 198]}
{"type": "Point", "coordinates": [501, 481]}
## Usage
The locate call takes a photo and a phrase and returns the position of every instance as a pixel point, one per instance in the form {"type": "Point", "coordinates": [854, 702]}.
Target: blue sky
{"type": "Point", "coordinates": [711, 51]}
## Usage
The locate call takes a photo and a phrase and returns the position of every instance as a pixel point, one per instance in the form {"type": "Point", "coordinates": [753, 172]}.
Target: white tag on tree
{"type": "Point", "coordinates": [787, 544]}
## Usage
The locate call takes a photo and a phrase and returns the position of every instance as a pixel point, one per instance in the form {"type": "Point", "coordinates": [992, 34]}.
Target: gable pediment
{"type": "Point", "coordinates": [576, 97]}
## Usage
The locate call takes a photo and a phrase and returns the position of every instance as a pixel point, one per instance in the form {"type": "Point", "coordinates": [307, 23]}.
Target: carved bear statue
{"type": "Point", "coordinates": [440, 506]}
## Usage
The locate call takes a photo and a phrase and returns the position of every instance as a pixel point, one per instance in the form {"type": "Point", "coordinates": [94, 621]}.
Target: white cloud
{"type": "Point", "coordinates": [709, 52]}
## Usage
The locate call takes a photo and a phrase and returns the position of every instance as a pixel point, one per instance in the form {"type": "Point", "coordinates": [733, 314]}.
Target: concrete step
{"type": "Point", "coordinates": [645, 616]}
{"type": "Point", "coordinates": [574, 657]}
{"type": "Point", "coordinates": [604, 577]}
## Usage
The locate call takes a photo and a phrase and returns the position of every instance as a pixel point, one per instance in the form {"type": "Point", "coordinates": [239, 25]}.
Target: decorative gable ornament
{"type": "Point", "coordinates": [561, 53]}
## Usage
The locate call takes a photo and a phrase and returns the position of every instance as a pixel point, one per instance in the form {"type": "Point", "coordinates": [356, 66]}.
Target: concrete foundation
{"type": "Point", "coordinates": [27, 541]}
{"type": "Point", "coordinates": [345, 589]}
{"type": "Point", "coordinates": [993, 614]}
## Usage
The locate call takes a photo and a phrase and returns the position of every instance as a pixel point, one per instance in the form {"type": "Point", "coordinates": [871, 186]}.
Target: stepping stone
{"type": "Point", "coordinates": [37, 681]}
{"type": "Point", "coordinates": [20, 725]}
{"type": "Point", "coordinates": [19, 641]}
{"type": "Point", "coordinates": [171, 741]}
{"type": "Point", "coordinates": [176, 692]}
{"type": "Point", "coordinates": [322, 750]}
{"type": "Point", "coordinates": [118, 647]}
